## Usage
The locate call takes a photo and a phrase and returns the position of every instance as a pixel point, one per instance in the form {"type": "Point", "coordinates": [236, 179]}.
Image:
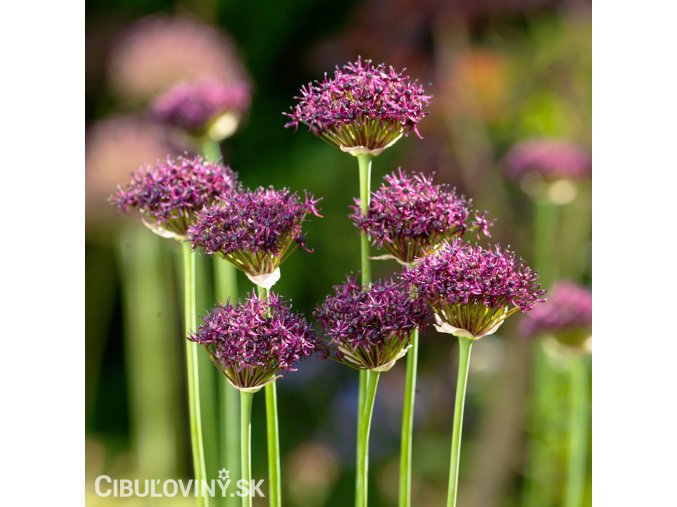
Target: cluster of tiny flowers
{"type": "Point", "coordinates": [194, 107]}
{"type": "Point", "coordinates": [370, 329]}
{"type": "Point", "coordinates": [169, 194]}
{"type": "Point", "coordinates": [410, 216]}
{"type": "Point", "coordinates": [567, 315]}
{"type": "Point", "coordinates": [364, 108]}
{"type": "Point", "coordinates": [158, 52]}
{"type": "Point", "coordinates": [551, 159]}
{"type": "Point", "coordinates": [254, 229]}
{"type": "Point", "coordinates": [254, 340]}
{"type": "Point", "coordinates": [474, 289]}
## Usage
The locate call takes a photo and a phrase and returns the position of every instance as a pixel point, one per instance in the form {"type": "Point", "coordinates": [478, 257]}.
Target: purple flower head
{"type": "Point", "coordinates": [472, 290]}
{"type": "Point", "coordinates": [205, 108]}
{"type": "Point", "coordinates": [567, 315]}
{"type": "Point", "coordinates": [255, 230]}
{"type": "Point", "coordinates": [370, 329]}
{"type": "Point", "coordinates": [410, 216]}
{"type": "Point", "coordinates": [169, 194]}
{"type": "Point", "coordinates": [251, 342]}
{"type": "Point", "coordinates": [363, 109]}
{"type": "Point", "coordinates": [551, 159]}
{"type": "Point", "coordinates": [158, 52]}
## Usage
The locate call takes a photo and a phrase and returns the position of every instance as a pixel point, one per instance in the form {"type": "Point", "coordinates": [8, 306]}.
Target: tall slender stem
{"type": "Point", "coordinates": [578, 432]}
{"type": "Point", "coordinates": [273, 437]}
{"type": "Point", "coordinates": [463, 363]}
{"type": "Point", "coordinates": [408, 422]}
{"type": "Point", "coordinates": [210, 149]}
{"type": "Point", "coordinates": [226, 288]}
{"type": "Point", "coordinates": [363, 438]}
{"type": "Point", "coordinates": [246, 443]}
{"type": "Point", "coordinates": [364, 163]}
{"type": "Point", "coordinates": [190, 324]}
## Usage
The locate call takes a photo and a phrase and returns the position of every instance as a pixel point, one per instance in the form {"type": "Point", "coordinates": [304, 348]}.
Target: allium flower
{"type": "Point", "coordinates": [551, 159]}
{"type": "Point", "coordinates": [251, 342]}
{"type": "Point", "coordinates": [159, 52]}
{"type": "Point", "coordinates": [363, 109]}
{"type": "Point", "coordinates": [410, 216]}
{"type": "Point", "coordinates": [473, 290]}
{"type": "Point", "coordinates": [205, 108]}
{"type": "Point", "coordinates": [169, 194]}
{"type": "Point", "coordinates": [370, 329]}
{"type": "Point", "coordinates": [567, 315]}
{"type": "Point", "coordinates": [255, 230]}
{"type": "Point", "coordinates": [113, 146]}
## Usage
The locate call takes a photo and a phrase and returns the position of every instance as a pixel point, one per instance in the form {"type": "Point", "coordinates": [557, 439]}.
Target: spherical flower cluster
{"type": "Point", "coordinates": [112, 146]}
{"type": "Point", "coordinates": [209, 108]}
{"type": "Point", "coordinates": [255, 230]}
{"type": "Point", "coordinates": [169, 194]}
{"type": "Point", "coordinates": [410, 216]}
{"type": "Point", "coordinates": [363, 109]}
{"type": "Point", "coordinates": [567, 315]}
{"type": "Point", "coordinates": [159, 52]}
{"type": "Point", "coordinates": [251, 342]}
{"type": "Point", "coordinates": [370, 329]}
{"type": "Point", "coordinates": [551, 159]}
{"type": "Point", "coordinates": [473, 290]}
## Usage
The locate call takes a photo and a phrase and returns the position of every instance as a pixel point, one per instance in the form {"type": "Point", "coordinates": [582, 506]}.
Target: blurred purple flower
{"type": "Point", "coordinates": [370, 329]}
{"type": "Point", "coordinates": [410, 216]}
{"type": "Point", "coordinates": [169, 194]}
{"type": "Point", "coordinates": [472, 290]}
{"type": "Point", "coordinates": [567, 315]}
{"type": "Point", "coordinates": [251, 342]}
{"type": "Point", "coordinates": [204, 108]}
{"type": "Point", "coordinates": [551, 159]}
{"type": "Point", "coordinates": [113, 146]}
{"type": "Point", "coordinates": [256, 230]}
{"type": "Point", "coordinates": [159, 52]}
{"type": "Point", "coordinates": [363, 109]}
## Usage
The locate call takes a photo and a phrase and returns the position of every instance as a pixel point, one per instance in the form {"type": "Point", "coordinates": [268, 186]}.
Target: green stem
{"type": "Point", "coordinates": [465, 346]}
{"type": "Point", "coordinates": [578, 432]}
{"type": "Point", "coordinates": [190, 325]}
{"type": "Point", "coordinates": [546, 219]}
{"type": "Point", "coordinates": [226, 288]}
{"type": "Point", "coordinates": [246, 443]}
{"type": "Point", "coordinates": [211, 150]}
{"type": "Point", "coordinates": [408, 422]}
{"type": "Point", "coordinates": [273, 436]}
{"type": "Point", "coordinates": [364, 163]}
{"type": "Point", "coordinates": [362, 485]}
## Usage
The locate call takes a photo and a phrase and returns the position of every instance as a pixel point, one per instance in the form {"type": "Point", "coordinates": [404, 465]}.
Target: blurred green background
{"type": "Point", "coordinates": [500, 71]}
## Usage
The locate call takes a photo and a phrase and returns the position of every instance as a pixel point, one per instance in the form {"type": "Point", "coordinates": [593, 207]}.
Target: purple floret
{"type": "Point", "coordinates": [193, 107]}
{"type": "Point", "coordinates": [551, 159]}
{"type": "Point", "coordinates": [254, 229]}
{"type": "Point", "coordinates": [169, 194]}
{"type": "Point", "coordinates": [364, 108]}
{"type": "Point", "coordinates": [473, 288]}
{"type": "Point", "coordinates": [410, 216]}
{"type": "Point", "coordinates": [567, 314]}
{"type": "Point", "coordinates": [253, 341]}
{"type": "Point", "coordinates": [370, 329]}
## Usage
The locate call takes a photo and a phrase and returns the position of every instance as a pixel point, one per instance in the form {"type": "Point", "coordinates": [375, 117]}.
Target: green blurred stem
{"type": "Point", "coordinates": [363, 438]}
{"type": "Point", "coordinates": [190, 325]}
{"type": "Point", "coordinates": [211, 150]}
{"type": "Point", "coordinates": [226, 288]}
{"type": "Point", "coordinates": [150, 359]}
{"type": "Point", "coordinates": [578, 431]}
{"type": "Point", "coordinates": [465, 346]}
{"type": "Point", "coordinates": [364, 164]}
{"type": "Point", "coordinates": [246, 443]}
{"type": "Point", "coordinates": [408, 422]}
{"type": "Point", "coordinates": [273, 437]}
{"type": "Point", "coordinates": [546, 219]}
